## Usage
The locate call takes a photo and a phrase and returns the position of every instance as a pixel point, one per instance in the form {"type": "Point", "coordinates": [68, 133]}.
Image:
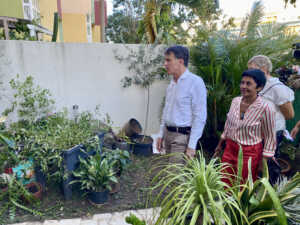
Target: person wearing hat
{"type": "Point", "coordinates": [250, 122]}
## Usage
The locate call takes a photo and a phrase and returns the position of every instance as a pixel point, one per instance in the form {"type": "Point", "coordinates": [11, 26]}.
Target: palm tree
{"type": "Point", "coordinates": [220, 57]}
{"type": "Point", "coordinates": [158, 15]}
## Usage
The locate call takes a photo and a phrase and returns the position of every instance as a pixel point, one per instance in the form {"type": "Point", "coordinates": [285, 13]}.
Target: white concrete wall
{"type": "Point", "coordinates": [82, 74]}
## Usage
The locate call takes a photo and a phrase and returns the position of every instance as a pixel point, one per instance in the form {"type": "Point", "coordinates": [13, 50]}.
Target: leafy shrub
{"type": "Point", "coordinates": [95, 174]}
{"type": "Point", "coordinates": [30, 101]}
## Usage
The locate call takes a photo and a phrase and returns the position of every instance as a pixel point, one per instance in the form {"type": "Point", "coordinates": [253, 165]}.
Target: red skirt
{"type": "Point", "coordinates": [230, 157]}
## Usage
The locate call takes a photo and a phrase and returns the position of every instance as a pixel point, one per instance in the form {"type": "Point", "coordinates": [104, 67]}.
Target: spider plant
{"type": "Point", "coordinates": [288, 191]}
{"type": "Point", "coordinates": [194, 189]}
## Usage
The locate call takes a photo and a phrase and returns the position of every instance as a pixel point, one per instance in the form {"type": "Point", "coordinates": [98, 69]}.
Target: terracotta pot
{"type": "Point", "coordinates": [35, 189]}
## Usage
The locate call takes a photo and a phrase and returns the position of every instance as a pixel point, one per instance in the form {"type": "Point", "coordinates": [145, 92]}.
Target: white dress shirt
{"type": "Point", "coordinates": [276, 94]}
{"type": "Point", "coordinates": [185, 106]}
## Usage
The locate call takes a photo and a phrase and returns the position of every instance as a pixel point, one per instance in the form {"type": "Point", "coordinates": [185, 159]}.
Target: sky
{"type": "Point", "coordinates": [239, 8]}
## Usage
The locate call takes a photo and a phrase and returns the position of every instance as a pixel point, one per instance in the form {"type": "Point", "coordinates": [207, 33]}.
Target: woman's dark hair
{"type": "Point", "coordinates": [257, 75]}
{"type": "Point", "coordinates": [180, 52]}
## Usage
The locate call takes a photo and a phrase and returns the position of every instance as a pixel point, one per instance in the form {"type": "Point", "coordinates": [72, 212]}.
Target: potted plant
{"type": "Point", "coordinates": [119, 159]}
{"type": "Point", "coordinates": [95, 175]}
{"type": "Point", "coordinates": [35, 188]}
{"type": "Point", "coordinates": [120, 141]}
{"type": "Point", "coordinates": [55, 143]}
{"type": "Point", "coordinates": [145, 65]}
{"type": "Point", "coordinates": [142, 145]}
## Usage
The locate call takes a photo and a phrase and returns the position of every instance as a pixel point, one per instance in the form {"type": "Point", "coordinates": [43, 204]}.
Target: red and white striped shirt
{"type": "Point", "coordinates": [258, 124]}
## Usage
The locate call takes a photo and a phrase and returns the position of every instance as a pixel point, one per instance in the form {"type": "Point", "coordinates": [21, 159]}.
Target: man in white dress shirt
{"type": "Point", "coordinates": [185, 110]}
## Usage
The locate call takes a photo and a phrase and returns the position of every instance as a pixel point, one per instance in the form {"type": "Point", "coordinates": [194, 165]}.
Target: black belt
{"type": "Point", "coordinates": [182, 130]}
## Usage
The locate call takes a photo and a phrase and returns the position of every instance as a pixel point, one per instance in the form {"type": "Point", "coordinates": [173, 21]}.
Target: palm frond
{"type": "Point", "coordinates": [254, 19]}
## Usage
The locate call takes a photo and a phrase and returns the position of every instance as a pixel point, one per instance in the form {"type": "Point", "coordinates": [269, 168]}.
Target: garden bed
{"type": "Point", "coordinates": [132, 195]}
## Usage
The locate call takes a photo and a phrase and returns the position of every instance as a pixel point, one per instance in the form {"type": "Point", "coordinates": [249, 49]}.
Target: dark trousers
{"type": "Point", "coordinates": [273, 167]}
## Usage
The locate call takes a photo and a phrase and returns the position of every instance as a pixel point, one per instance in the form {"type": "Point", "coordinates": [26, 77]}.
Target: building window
{"type": "Point", "coordinates": [31, 9]}
{"type": "Point", "coordinates": [89, 28]}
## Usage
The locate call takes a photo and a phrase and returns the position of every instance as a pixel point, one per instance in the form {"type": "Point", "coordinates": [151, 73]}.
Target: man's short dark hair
{"type": "Point", "coordinates": [179, 52]}
{"type": "Point", "coordinates": [257, 75]}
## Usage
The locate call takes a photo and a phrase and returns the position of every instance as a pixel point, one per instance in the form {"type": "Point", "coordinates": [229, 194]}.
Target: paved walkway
{"type": "Point", "coordinates": [117, 218]}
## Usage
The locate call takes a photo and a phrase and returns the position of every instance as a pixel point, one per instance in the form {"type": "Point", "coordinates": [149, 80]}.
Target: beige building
{"type": "Point", "coordinates": [292, 20]}
{"type": "Point", "coordinates": [78, 20]}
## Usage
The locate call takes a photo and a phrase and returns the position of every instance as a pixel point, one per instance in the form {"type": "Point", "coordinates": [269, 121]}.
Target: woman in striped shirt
{"type": "Point", "coordinates": [250, 124]}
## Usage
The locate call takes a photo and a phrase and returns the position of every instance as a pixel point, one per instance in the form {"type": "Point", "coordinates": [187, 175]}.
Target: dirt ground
{"type": "Point", "coordinates": [132, 195]}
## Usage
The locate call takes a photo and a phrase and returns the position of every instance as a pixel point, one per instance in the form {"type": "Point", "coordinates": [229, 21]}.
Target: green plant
{"type": "Point", "coordinates": [30, 101]}
{"type": "Point", "coordinates": [221, 56]}
{"type": "Point", "coordinates": [19, 32]}
{"type": "Point", "coordinates": [132, 219]}
{"type": "Point", "coordinates": [288, 191]}
{"type": "Point", "coordinates": [258, 201]}
{"type": "Point", "coordinates": [193, 188]}
{"type": "Point", "coordinates": [145, 65]}
{"type": "Point", "coordinates": [3, 181]}
{"type": "Point", "coordinates": [95, 174]}
{"type": "Point", "coordinates": [15, 197]}
{"type": "Point", "coordinates": [46, 138]}
{"type": "Point", "coordinates": [118, 158]}
{"type": "Point", "coordinates": [8, 155]}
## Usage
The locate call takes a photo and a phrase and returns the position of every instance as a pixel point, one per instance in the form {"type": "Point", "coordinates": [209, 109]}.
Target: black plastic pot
{"type": "Point", "coordinates": [123, 145]}
{"type": "Point", "coordinates": [71, 163]}
{"type": "Point", "coordinates": [142, 146]}
{"type": "Point", "coordinates": [98, 197]}
{"type": "Point", "coordinates": [132, 128]}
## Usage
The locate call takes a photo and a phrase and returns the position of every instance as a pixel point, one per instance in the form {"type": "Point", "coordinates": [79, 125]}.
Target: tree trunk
{"type": "Point", "coordinates": [147, 110]}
